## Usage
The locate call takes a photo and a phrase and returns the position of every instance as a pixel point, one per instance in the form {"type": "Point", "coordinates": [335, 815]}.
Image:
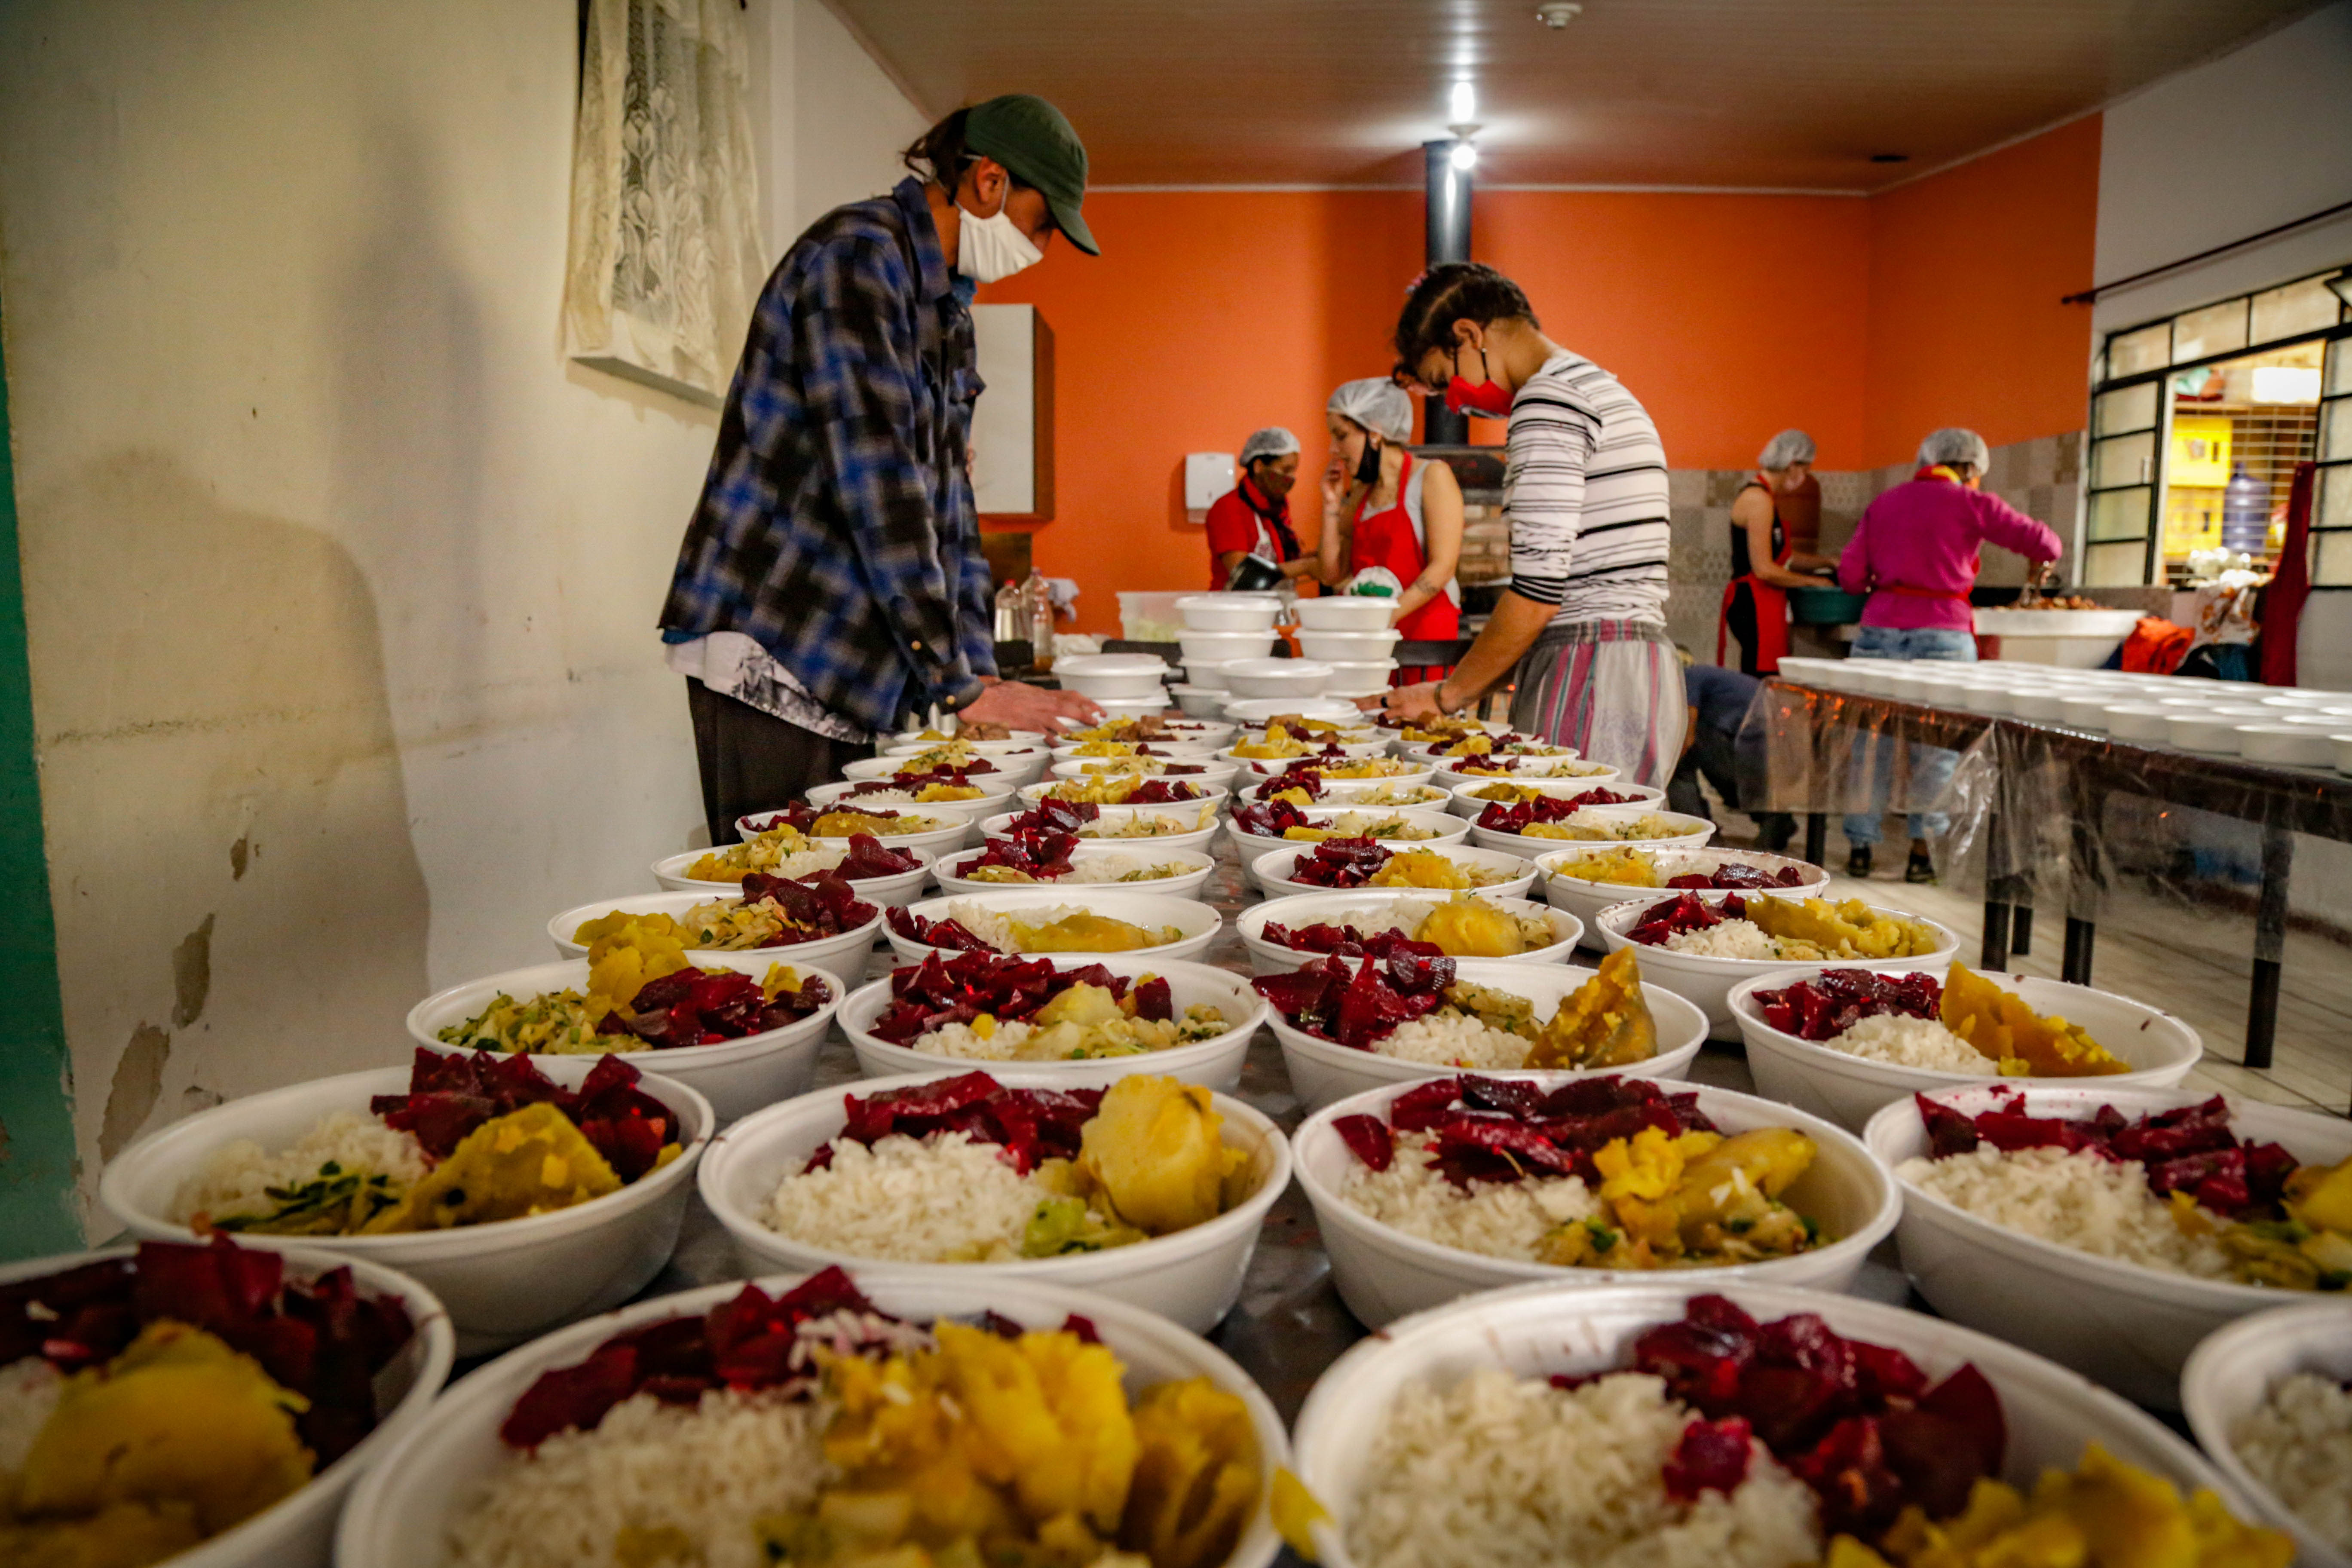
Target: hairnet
{"type": "Point", "coordinates": [1954, 445]}
{"type": "Point", "coordinates": [1789, 447]}
{"type": "Point", "coordinates": [1274, 441]}
{"type": "Point", "coordinates": [1377, 404]}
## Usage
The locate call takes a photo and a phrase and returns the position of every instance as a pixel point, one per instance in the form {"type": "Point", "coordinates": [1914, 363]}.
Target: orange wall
{"type": "Point", "coordinates": [1866, 321]}
{"type": "Point", "coordinates": [1966, 268]}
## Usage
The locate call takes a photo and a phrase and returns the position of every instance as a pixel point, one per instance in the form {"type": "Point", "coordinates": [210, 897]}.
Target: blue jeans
{"type": "Point", "coordinates": [1931, 768]}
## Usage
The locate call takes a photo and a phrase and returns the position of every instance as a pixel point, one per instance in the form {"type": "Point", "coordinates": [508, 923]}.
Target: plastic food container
{"type": "Point", "coordinates": [823, 952]}
{"type": "Point", "coordinates": [1254, 711]}
{"type": "Point", "coordinates": [2294, 745]}
{"type": "Point", "coordinates": [1326, 905]}
{"type": "Point", "coordinates": [956, 831]}
{"type": "Point", "coordinates": [1277, 677]}
{"type": "Point", "coordinates": [1201, 810]}
{"type": "Point", "coordinates": [2229, 1376]}
{"type": "Point", "coordinates": [1690, 832]}
{"type": "Point", "coordinates": [1518, 876]}
{"type": "Point", "coordinates": [1198, 921]}
{"type": "Point", "coordinates": [1150, 617]}
{"type": "Point", "coordinates": [671, 870]}
{"type": "Point", "coordinates": [1444, 828]}
{"type": "Point", "coordinates": [1367, 678]}
{"type": "Point", "coordinates": [1585, 899]}
{"type": "Point", "coordinates": [1466, 803]}
{"type": "Point", "coordinates": [1113, 676]}
{"type": "Point", "coordinates": [1222, 647]}
{"type": "Point", "coordinates": [1346, 613]}
{"type": "Point", "coordinates": [1352, 645]}
{"type": "Point", "coordinates": [1198, 865]}
{"type": "Point", "coordinates": [1229, 612]}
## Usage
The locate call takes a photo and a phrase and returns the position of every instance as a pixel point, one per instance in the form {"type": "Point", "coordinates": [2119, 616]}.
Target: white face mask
{"type": "Point", "coordinates": [992, 248]}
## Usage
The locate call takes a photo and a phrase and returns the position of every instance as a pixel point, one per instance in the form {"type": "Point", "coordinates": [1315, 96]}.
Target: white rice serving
{"type": "Point", "coordinates": [995, 927]}
{"type": "Point", "coordinates": [966, 1044]}
{"type": "Point", "coordinates": [2076, 1199]}
{"type": "Point", "coordinates": [235, 1180]}
{"type": "Point", "coordinates": [706, 1473]}
{"type": "Point", "coordinates": [1498, 1219]}
{"type": "Point", "coordinates": [2298, 1443]}
{"type": "Point", "coordinates": [940, 1199]}
{"type": "Point", "coordinates": [1727, 939]}
{"type": "Point", "coordinates": [1498, 1471]}
{"type": "Point", "coordinates": [1453, 1039]}
{"type": "Point", "coordinates": [1903, 1041]}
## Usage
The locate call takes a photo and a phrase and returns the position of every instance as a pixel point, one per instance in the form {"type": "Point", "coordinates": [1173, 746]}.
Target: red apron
{"type": "Point", "coordinates": [1771, 604]}
{"type": "Point", "coordinates": [1385, 538]}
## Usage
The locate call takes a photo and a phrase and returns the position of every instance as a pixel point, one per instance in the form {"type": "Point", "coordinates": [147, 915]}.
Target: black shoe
{"type": "Point", "coordinates": [1857, 860]}
{"type": "Point", "coordinates": [1921, 868]}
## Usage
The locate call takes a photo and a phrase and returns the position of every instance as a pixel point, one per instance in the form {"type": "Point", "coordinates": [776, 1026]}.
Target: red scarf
{"type": "Point", "coordinates": [1275, 514]}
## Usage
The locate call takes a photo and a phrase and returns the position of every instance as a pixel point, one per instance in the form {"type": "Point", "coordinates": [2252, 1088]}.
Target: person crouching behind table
{"type": "Point", "coordinates": [1915, 553]}
{"type": "Point", "coordinates": [1382, 508]}
{"type": "Point", "coordinates": [1764, 565]}
{"type": "Point", "coordinates": [1253, 519]}
{"type": "Point", "coordinates": [1582, 628]}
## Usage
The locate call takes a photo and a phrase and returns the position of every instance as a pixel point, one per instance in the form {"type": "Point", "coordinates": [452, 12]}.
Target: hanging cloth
{"type": "Point", "coordinates": [1771, 602]}
{"type": "Point", "coordinates": [2290, 584]}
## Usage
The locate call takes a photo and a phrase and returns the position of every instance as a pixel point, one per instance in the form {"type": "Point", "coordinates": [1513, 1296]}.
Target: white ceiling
{"type": "Point", "coordinates": [1767, 94]}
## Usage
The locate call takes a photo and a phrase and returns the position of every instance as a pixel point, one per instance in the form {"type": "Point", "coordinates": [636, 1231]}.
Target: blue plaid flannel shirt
{"type": "Point", "coordinates": [837, 526]}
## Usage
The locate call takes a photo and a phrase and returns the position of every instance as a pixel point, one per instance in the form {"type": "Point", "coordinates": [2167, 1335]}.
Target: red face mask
{"type": "Point", "coordinates": [1486, 397]}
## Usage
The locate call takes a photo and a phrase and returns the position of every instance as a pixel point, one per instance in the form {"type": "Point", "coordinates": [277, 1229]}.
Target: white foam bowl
{"type": "Point", "coordinates": [822, 952]}
{"type": "Point", "coordinates": [1191, 751]}
{"type": "Point", "coordinates": [738, 1077]}
{"type": "Point", "coordinates": [1266, 768]}
{"type": "Point", "coordinates": [2293, 745]}
{"type": "Point", "coordinates": [914, 738]}
{"type": "Point", "coordinates": [2118, 1324]}
{"type": "Point", "coordinates": [994, 790]}
{"type": "Point", "coordinates": [1343, 792]}
{"type": "Point", "coordinates": [2139, 722]}
{"type": "Point", "coordinates": [1444, 828]}
{"type": "Point", "coordinates": [1694, 833]}
{"type": "Point", "coordinates": [1585, 899]}
{"type": "Point", "coordinates": [1132, 707]}
{"type": "Point", "coordinates": [1202, 811]}
{"type": "Point", "coordinates": [670, 871]}
{"type": "Point", "coordinates": [1709, 981]}
{"type": "Point", "coordinates": [1850, 1090]}
{"type": "Point", "coordinates": [1538, 1329]}
{"type": "Point", "coordinates": [934, 839]}
{"type": "Point", "coordinates": [1535, 770]}
{"type": "Point", "coordinates": [1323, 1072]}
{"type": "Point", "coordinates": [1205, 675]}
{"type": "Point", "coordinates": [501, 1283]}
{"type": "Point", "coordinates": [1193, 1278]}
{"type": "Point", "coordinates": [1198, 922]}
{"type": "Point", "coordinates": [1005, 768]}
{"type": "Point", "coordinates": [1384, 1274]}
{"type": "Point", "coordinates": [1223, 648]}
{"type": "Point", "coordinates": [1229, 612]}
{"type": "Point", "coordinates": [1113, 676]}
{"type": "Point", "coordinates": [1346, 613]}
{"type": "Point", "coordinates": [1286, 678]}
{"type": "Point", "coordinates": [2342, 746]}
{"type": "Point", "coordinates": [1197, 865]}
{"type": "Point", "coordinates": [1355, 648]}
{"type": "Point", "coordinates": [1214, 1063]}
{"type": "Point", "coordinates": [1367, 678]}
{"type": "Point", "coordinates": [1325, 905]}
{"type": "Point", "coordinates": [1199, 702]}
{"type": "Point", "coordinates": [2229, 1376]}
{"type": "Point", "coordinates": [2086, 711]}
{"type": "Point", "coordinates": [1466, 802]}
{"type": "Point", "coordinates": [298, 1530]}
{"type": "Point", "coordinates": [1203, 771]}
{"type": "Point", "coordinates": [1254, 711]}
{"type": "Point", "coordinates": [2203, 732]}
{"type": "Point", "coordinates": [1208, 794]}
{"type": "Point", "coordinates": [400, 1514]}
{"type": "Point", "coordinates": [1518, 876]}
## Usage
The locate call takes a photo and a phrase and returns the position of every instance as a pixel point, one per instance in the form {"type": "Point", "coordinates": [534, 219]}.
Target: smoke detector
{"type": "Point", "coordinates": [1558, 13]}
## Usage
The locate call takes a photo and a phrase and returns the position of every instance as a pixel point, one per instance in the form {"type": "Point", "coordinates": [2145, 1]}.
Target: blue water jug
{"type": "Point", "coordinates": [2245, 512]}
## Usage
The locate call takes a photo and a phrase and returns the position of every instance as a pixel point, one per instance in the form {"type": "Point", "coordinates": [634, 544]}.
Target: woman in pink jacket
{"type": "Point", "coordinates": [1915, 553]}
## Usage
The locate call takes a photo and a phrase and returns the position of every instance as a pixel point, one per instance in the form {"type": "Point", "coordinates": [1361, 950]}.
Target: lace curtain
{"type": "Point", "coordinates": [665, 259]}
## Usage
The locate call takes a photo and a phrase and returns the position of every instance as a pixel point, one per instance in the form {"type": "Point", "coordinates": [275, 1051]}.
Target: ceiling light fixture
{"type": "Point", "coordinates": [1463, 157]}
{"type": "Point", "coordinates": [1464, 101]}
{"type": "Point", "coordinates": [1559, 14]}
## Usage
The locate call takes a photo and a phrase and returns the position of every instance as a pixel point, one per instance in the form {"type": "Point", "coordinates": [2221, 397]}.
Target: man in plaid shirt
{"type": "Point", "coordinates": [831, 582]}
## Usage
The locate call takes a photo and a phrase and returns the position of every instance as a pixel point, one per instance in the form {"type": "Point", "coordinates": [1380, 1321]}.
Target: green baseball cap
{"type": "Point", "coordinates": [1037, 144]}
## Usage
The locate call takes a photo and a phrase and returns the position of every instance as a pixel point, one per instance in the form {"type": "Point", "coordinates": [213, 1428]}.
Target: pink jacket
{"type": "Point", "coordinates": [1914, 552]}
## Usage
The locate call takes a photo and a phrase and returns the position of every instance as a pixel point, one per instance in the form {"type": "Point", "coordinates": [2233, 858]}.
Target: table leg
{"type": "Point", "coordinates": [1817, 836]}
{"type": "Point", "coordinates": [2020, 932]}
{"type": "Point", "coordinates": [2080, 934]}
{"type": "Point", "coordinates": [2270, 946]}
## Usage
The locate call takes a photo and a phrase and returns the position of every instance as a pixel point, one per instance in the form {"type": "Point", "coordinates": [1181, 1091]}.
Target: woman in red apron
{"type": "Point", "coordinates": [1755, 607]}
{"type": "Point", "coordinates": [1382, 508]}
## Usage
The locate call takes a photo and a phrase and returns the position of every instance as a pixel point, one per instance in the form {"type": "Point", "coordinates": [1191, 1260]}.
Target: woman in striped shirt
{"type": "Point", "coordinates": [1581, 630]}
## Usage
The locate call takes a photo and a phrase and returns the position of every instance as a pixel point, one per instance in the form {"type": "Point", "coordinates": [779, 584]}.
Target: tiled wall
{"type": "Point", "coordinates": [2042, 477]}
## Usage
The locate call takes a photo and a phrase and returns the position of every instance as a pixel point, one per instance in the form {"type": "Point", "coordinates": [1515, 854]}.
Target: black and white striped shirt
{"type": "Point", "coordinates": [1585, 492]}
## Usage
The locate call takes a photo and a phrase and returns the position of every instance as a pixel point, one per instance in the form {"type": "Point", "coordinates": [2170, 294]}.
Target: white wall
{"type": "Point", "coordinates": [340, 582]}
{"type": "Point", "coordinates": [836, 122]}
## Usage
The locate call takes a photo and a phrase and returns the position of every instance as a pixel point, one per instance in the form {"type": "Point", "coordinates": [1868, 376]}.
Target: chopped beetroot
{"type": "Point", "coordinates": [1052, 816]}
{"type": "Point", "coordinates": [1341, 863]}
{"type": "Point", "coordinates": [450, 1094]}
{"type": "Point", "coordinates": [1495, 1129]}
{"type": "Point", "coordinates": [1711, 1456]}
{"type": "Point", "coordinates": [1155, 1003]}
{"type": "Point", "coordinates": [868, 858]}
{"type": "Point", "coordinates": [1517, 816]}
{"type": "Point", "coordinates": [1686, 911]}
{"type": "Point", "coordinates": [953, 778]}
{"type": "Point", "coordinates": [1082, 1327]}
{"type": "Point", "coordinates": [1739, 874]}
{"type": "Point", "coordinates": [1354, 1007]}
{"type": "Point", "coordinates": [1268, 818]}
{"type": "Point", "coordinates": [1160, 792]}
{"type": "Point", "coordinates": [1308, 779]}
{"type": "Point", "coordinates": [941, 991]}
{"type": "Point", "coordinates": [1367, 1139]}
{"type": "Point", "coordinates": [1030, 1124]}
{"type": "Point", "coordinates": [800, 817]}
{"type": "Point", "coordinates": [1837, 999]}
{"type": "Point", "coordinates": [1042, 853]}
{"type": "Point", "coordinates": [1347, 942]}
{"type": "Point", "coordinates": [703, 1006]}
{"type": "Point", "coordinates": [951, 934]}
{"type": "Point", "coordinates": [2188, 1149]}
{"type": "Point", "coordinates": [820, 904]}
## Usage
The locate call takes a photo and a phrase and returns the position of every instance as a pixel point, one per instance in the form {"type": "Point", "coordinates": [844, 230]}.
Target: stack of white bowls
{"type": "Point", "coordinates": [1127, 685]}
{"type": "Point", "coordinates": [1217, 629]}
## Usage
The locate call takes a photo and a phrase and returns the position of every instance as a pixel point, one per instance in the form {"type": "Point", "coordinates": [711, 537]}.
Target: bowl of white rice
{"type": "Point", "coordinates": [502, 1282]}
{"type": "Point", "coordinates": [420, 1507]}
{"type": "Point", "coordinates": [1390, 1266]}
{"type": "Point", "coordinates": [298, 1530]}
{"type": "Point", "coordinates": [1642, 827]}
{"type": "Point", "coordinates": [889, 892]}
{"type": "Point", "coordinates": [1439, 1443]}
{"type": "Point", "coordinates": [1186, 825]}
{"type": "Point", "coordinates": [908, 1204]}
{"type": "Point", "coordinates": [1322, 1071]}
{"type": "Point", "coordinates": [1462, 798]}
{"type": "Point", "coordinates": [2069, 1254]}
{"type": "Point", "coordinates": [1586, 899]}
{"type": "Point", "coordinates": [992, 914]}
{"type": "Point", "coordinates": [1145, 867]}
{"type": "Point", "coordinates": [1203, 795]}
{"type": "Point", "coordinates": [738, 1077]}
{"type": "Point", "coordinates": [1887, 1058]}
{"type": "Point", "coordinates": [953, 822]}
{"type": "Point", "coordinates": [2267, 1397]}
{"type": "Point", "coordinates": [1214, 1063]}
{"type": "Point", "coordinates": [1511, 878]}
{"type": "Point", "coordinates": [1374, 910]}
{"type": "Point", "coordinates": [1435, 825]}
{"type": "Point", "coordinates": [838, 951]}
{"type": "Point", "coordinates": [1706, 975]}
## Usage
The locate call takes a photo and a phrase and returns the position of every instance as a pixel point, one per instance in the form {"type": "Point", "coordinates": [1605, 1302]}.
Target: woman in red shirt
{"type": "Point", "coordinates": [1382, 508]}
{"type": "Point", "coordinates": [1254, 517]}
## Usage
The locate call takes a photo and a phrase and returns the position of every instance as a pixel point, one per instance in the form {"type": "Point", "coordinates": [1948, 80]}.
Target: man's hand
{"type": "Point", "coordinates": [1414, 704]}
{"type": "Point", "coordinates": [1017, 705]}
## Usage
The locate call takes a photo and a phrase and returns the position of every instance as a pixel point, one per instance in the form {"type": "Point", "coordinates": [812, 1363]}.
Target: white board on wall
{"type": "Point", "coordinates": [1005, 425]}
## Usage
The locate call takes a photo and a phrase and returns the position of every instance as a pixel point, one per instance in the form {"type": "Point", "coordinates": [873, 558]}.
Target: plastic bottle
{"type": "Point", "coordinates": [1041, 619]}
{"type": "Point", "coordinates": [2245, 512]}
